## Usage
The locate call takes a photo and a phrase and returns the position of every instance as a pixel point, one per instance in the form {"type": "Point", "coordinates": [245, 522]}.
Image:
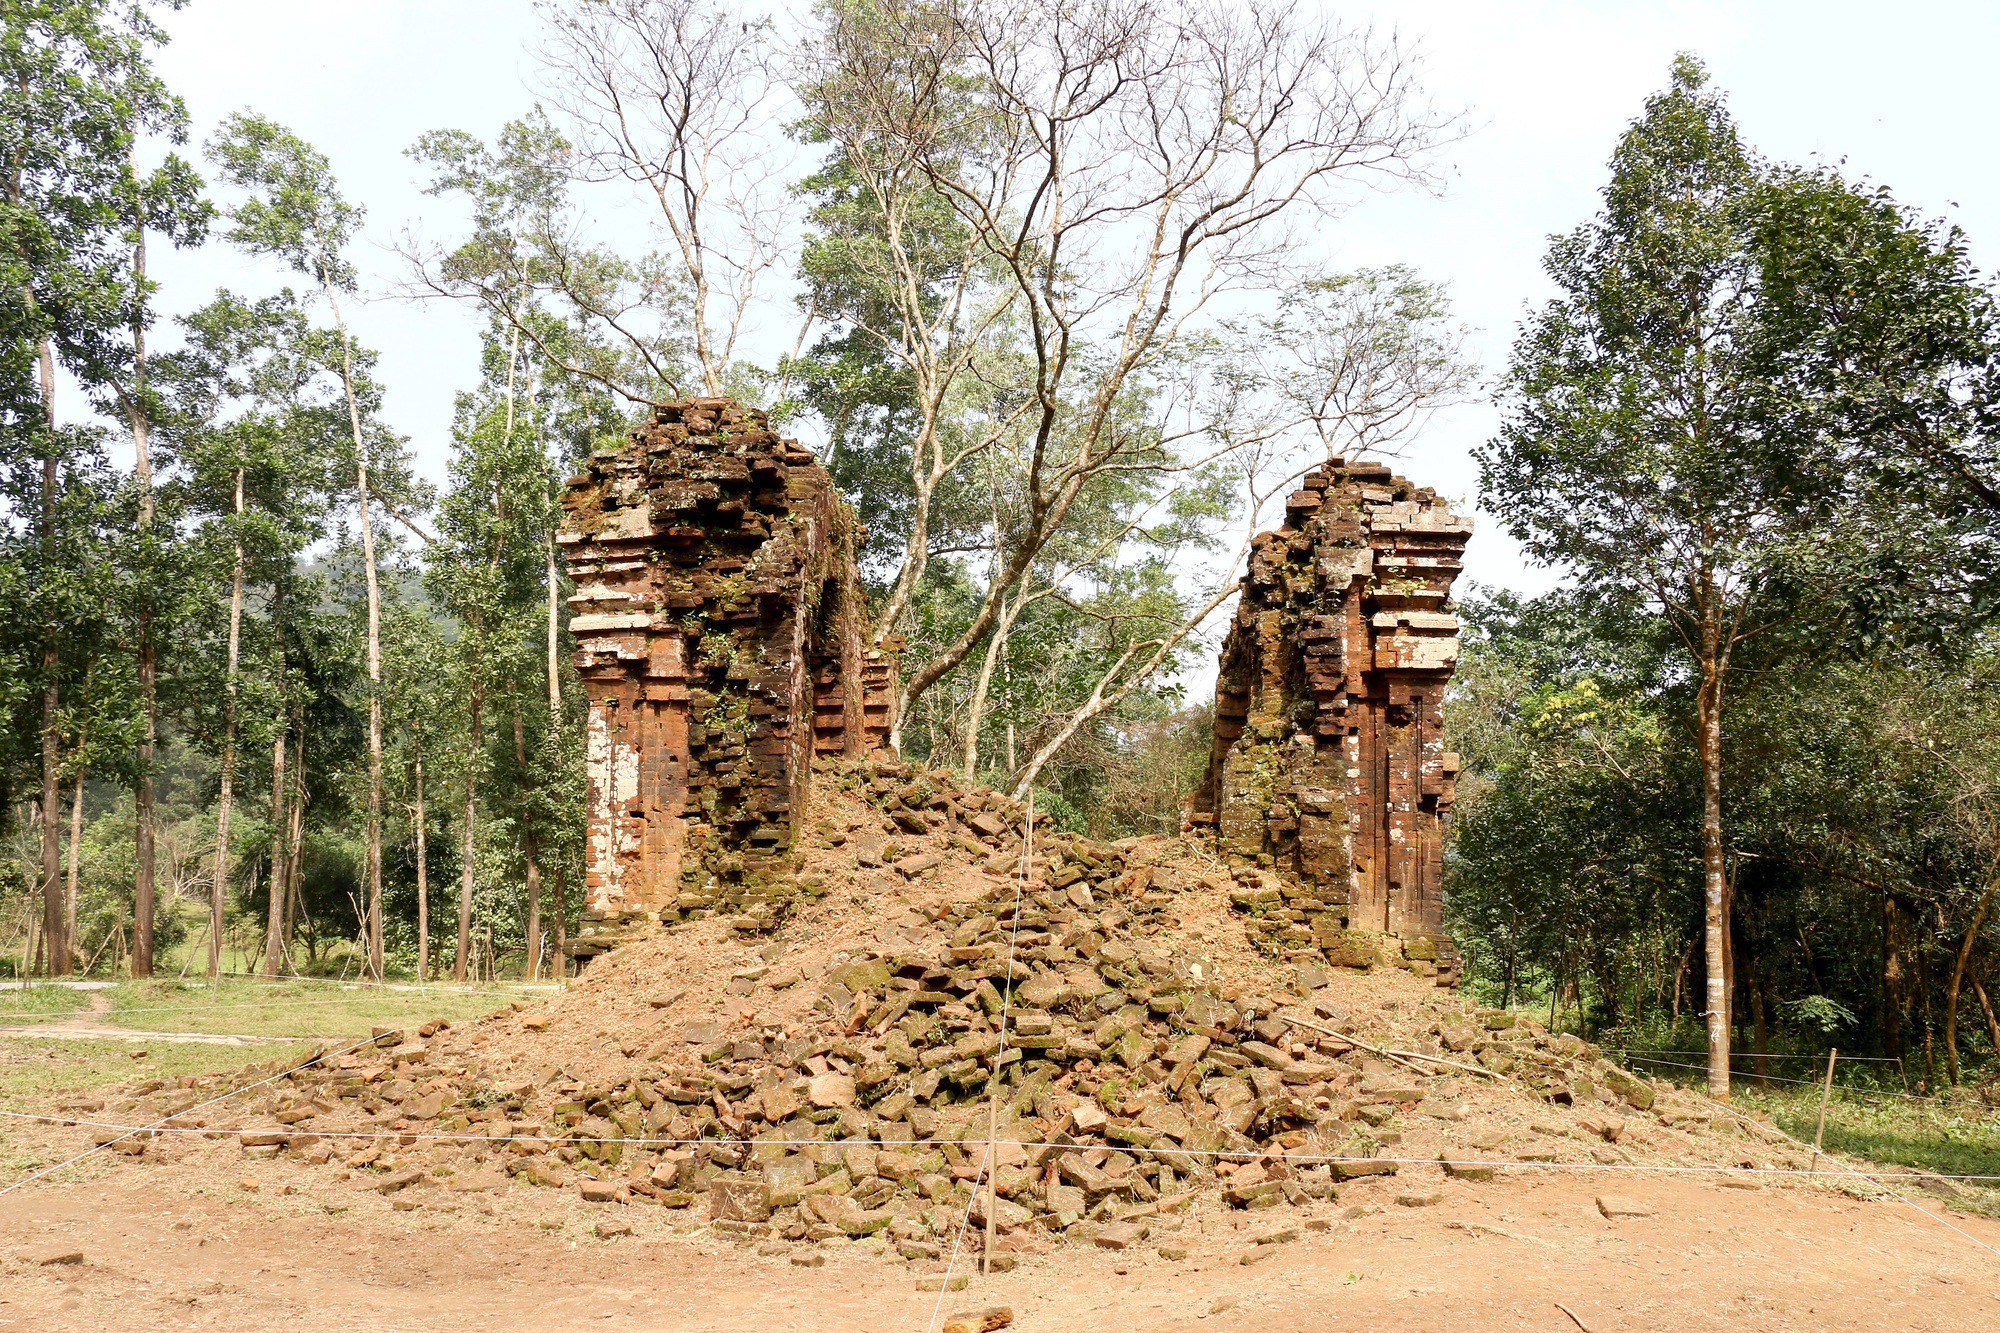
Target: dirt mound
{"type": "Point", "coordinates": [1115, 1024]}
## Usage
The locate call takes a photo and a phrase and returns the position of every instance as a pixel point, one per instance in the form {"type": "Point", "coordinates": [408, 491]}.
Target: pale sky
{"type": "Point", "coordinates": [1546, 87]}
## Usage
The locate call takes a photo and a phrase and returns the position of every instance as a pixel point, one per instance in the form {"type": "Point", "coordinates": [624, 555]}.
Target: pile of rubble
{"type": "Point", "coordinates": [1111, 1061]}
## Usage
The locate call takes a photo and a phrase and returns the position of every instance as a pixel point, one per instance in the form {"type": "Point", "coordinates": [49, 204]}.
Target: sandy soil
{"type": "Point", "coordinates": [178, 1251]}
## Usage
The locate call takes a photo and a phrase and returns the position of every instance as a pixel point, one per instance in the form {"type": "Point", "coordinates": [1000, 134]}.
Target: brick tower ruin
{"type": "Point", "coordinates": [722, 641]}
{"type": "Point", "coordinates": [1328, 762]}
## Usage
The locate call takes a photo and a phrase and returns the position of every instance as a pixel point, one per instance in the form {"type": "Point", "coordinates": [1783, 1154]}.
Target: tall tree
{"type": "Point", "coordinates": [1199, 130]}
{"type": "Point", "coordinates": [295, 212]}
{"type": "Point", "coordinates": [487, 571]}
{"type": "Point", "coordinates": [517, 190]}
{"type": "Point", "coordinates": [1657, 441]}
{"type": "Point", "coordinates": [76, 91]}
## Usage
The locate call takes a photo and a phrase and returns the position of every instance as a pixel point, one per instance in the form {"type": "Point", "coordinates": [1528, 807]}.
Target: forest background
{"type": "Point", "coordinates": [309, 648]}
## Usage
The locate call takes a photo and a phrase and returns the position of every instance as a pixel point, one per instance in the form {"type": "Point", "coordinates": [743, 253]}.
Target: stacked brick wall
{"type": "Point", "coordinates": [721, 640]}
{"type": "Point", "coordinates": [1329, 766]}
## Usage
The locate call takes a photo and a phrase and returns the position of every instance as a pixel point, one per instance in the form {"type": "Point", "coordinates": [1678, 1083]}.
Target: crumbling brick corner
{"type": "Point", "coordinates": [1328, 784]}
{"type": "Point", "coordinates": [722, 641]}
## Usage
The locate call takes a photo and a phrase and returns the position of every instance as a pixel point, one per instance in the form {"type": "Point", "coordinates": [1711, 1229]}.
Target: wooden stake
{"type": "Point", "coordinates": [1819, 1132]}
{"type": "Point", "coordinates": [992, 1162]}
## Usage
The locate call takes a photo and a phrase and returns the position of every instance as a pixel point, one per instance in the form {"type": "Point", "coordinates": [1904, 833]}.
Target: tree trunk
{"type": "Point", "coordinates": [36, 919]}
{"type": "Point", "coordinates": [1715, 896]}
{"type": "Point", "coordinates": [295, 873]}
{"type": "Point", "coordinates": [558, 962]}
{"type": "Point", "coordinates": [555, 641]}
{"type": "Point", "coordinates": [559, 956]}
{"type": "Point", "coordinates": [466, 831]}
{"type": "Point", "coordinates": [1922, 956]}
{"type": "Point", "coordinates": [274, 920]}
{"type": "Point", "coordinates": [1992, 1023]}
{"type": "Point", "coordinates": [374, 909]}
{"type": "Point", "coordinates": [55, 944]}
{"type": "Point", "coordinates": [423, 879]}
{"type": "Point", "coordinates": [144, 835]}
{"type": "Point", "coordinates": [75, 845]}
{"type": "Point", "coordinates": [1760, 1028]}
{"type": "Point", "coordinates": [996, 645]}
{"type": "Point", "coordinates": [1680, 979]}
{"type": "Point", "coordinates": [1958, 975]}
{"type": "Point", "coordinates": [530, 852]}
{"type": "Point", "coordinates": [1892, 982]}
{"type": "Point", "coordinates": [219, 889]}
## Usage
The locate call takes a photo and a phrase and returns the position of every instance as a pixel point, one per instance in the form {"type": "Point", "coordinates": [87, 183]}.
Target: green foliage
{"type": "Point", "coordinates": [1820, 1014]}
{"type": "Point", "coordinates": [1862, 802]}
{"type": "Point", "coordinates": [1729, 426]}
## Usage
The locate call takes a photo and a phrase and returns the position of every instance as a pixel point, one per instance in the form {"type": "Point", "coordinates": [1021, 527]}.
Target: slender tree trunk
{"type": "Point", "coordinates": [219, 890]}
{"type": "Point", "coordinates": [531, 853]}
{"type": "Point", "coordinates": [558, 962]}
{"type": "Point", "coordinates": [1892, 982]}
{"type": "Point", "coordinates": [56, 944]}
{"type": "Point", "coordinates": [274, 919]}
{"type": "Point", "coordinates": [144, 835]}
{"type": "Point", "coordinates": [75, 846]}
{"type": "Point", "coordinates": [466, 838]}
{"type": "Point", "coordinates": [1958, 975]}
{"type": "Point", "coordinates": [996, 646]}
{"type": "Point", "coordinates": [295, 838]}
{"type": "Point", "coordinates": [1760, 1028]}
{"type": "Point", "coordinates": [559, 956]}
{"type": "Point", "coordinates": [374, 907]}
{"type": "Point", "coordinates": [423, 878]}
{"type": "Point", "coordinates": [1929, 1027]}
{"type": "Point", "coordinates": [1992, 1023]}
{"type": "Point", "coordinates": [1680, 979]}
{"type": "Point", "coordinates": [1715, 893]}
{"type": "Point", "coordinates": [36, 918]}
{"type": "Point", "coordinates": [555, 642]}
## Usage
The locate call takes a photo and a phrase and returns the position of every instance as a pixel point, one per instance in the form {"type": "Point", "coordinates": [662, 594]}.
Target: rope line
{"type": "Point", "coordinates": [192, 1009]}
{"type": "Point", "coordinates": [1227, 1154]}
{"type": "Point", "coordinates": [137, 1129]}
{"type": "Point", "coordinates": [1802, 1082]}
{"type": "Point", "coordinates": [1752, 1055]}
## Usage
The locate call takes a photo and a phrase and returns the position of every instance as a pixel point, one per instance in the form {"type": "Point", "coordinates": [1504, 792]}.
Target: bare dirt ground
{"type": "Point", "coordinates": [176, 1251]}
{"type": "Point", "coordinates": [202, 1230]}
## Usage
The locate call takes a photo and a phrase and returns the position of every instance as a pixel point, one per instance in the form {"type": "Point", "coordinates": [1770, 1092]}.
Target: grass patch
{"type": "Point", "coordinates": [1926, 1136]}
{"type": "Point", "coordinates": [1868, 1120]}
{"type": "Point", "coordinates": [302, 1009]}
{"type": "Point", "coordinates": [38, 1072]}
{"type": "Point", "coordinates": [25, 1004]}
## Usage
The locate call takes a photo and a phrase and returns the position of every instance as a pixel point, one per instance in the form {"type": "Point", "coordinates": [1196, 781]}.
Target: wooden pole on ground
{"type": "Point", "coordinates": [1819, 1131]}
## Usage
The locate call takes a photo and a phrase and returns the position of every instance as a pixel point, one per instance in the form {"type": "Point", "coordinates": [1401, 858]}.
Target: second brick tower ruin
{"type": "Point", "coordinates": [1328, 762]}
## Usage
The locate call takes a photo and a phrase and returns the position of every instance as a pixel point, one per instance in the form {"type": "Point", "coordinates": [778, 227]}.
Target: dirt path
{"type": "Point", "coordinates": [185, 1249]}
